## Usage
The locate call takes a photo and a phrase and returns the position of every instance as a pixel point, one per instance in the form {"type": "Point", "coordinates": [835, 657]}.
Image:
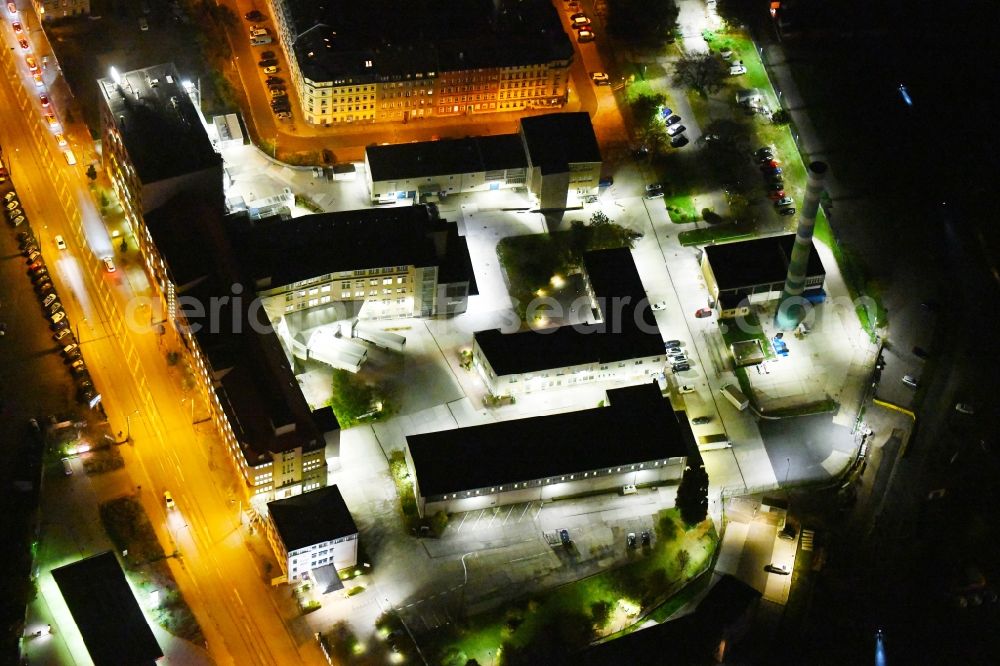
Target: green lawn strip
{"type": "Point", "coordinates": [716, 234]}
{"type": "Point", "coordinates": [681, 209]}
{"type": "Point", "coordinates": [570, 609]}
{"type": "Point", "coordinates": [854, 277]}
{"type": "Point", "coordinates": [744, 381]}
{"type": "Point", "coordinates": [676, 602]}
{"type": "Point", "coordinates": [145, 564]}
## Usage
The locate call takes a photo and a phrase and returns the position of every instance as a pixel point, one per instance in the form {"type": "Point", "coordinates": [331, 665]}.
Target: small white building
{"type": "Point", "coordinates": [624, 345]}
{"type": "Point", "coordinates": [313, 535]}
{"type": "Point", "coordinates": [635, 439]}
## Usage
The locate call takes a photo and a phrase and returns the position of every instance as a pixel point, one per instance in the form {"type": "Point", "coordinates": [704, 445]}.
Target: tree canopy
{"type": "Point", "coordinates": [642, 21]}
{"type": "Point", "coordinates": [692, 495]}
{"type": "Point", "coordinates": [703, 73]}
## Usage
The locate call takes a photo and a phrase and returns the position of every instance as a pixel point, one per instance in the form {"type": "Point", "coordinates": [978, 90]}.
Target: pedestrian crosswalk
{"type": "Point", "coordinates": [807, 539]}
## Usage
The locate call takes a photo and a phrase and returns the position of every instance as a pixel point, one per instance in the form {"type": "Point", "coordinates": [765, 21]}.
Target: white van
{"type": "Point", "coordinates": [70, 157]}
{"type": "Point", "coordinates": [260, 40]}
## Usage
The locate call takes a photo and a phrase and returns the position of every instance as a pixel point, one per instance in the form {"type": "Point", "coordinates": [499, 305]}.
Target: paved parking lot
{"type": "Point", "coordinates": [513, 514]}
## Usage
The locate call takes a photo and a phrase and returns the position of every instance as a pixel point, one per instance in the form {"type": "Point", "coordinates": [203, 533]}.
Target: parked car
{"type": "Point", "coordinates": [911, 381]}
{"type": "Point", "coordinates": [60, 243]}
{"type": "Point", "coordinates": [784, 201]}
{"type": "Point", "coordinates": [654, 187]}
{"type": "Point", "coordinates": [787, 211]}
{"type": "Point", "coordinates": [271, 70]}
{"type": "Point", "coordinates": [564, 536]}
{"type": "Point", "coordinates": [109, 264]}
{"type": "Point", "coordinates": [49, 300]}
{"type": "Point", "coordinates": [271, 80]}
{"type": "Point", "coordinates": [62, 335]}
{"type": "Point", "coordinates": [680, 367]}
{"type": "Point", "coordinates": [600, 78]}
{"type": "Point", "coordinates": [630, 540]}
{"type": "Point", "coordinates": [780, 569]}
{"type": "Point", "coordinates": [776, 195]}
{"type": "Point", "coordinates": [764, 152]}
{"type": "Point", "coordinates": [70, 348]}
{"type": "Point", "coordinates": [254, 15]}
{"type": "Point", "coordinates": [685, 388]}
{"type": "Point", "coordinates": [737, 69]}
{"type": "Point", "coordinates": [267, 62]}
{"type": "Point", "coordinates": [12, 204]}
{"type": "Point", "coordinates": [267, 55]}
{"type": "Point", "coordinates": [771, 170]}
{"type": "Point", "coordinates": [674, 130]}
{"type": "Point", "coordinates": [645, 537]}
{"type": "Point", "coordinates": [654, 195]}
{"type": "Point", "coordinates": [672, 120]}
{"type": "Point", "coordinates": [57, 317]}
{"type": "Point", "coordinates": [679, 141]}
{"type": "Point", "coordinates": [701, 313]}
{"type": "Point", "coordinates": [582, 26]}
{"type": "Point", "coordinates": [585, 35]}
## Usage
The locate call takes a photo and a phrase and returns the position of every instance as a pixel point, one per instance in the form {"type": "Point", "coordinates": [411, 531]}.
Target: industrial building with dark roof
{"type": "Point", "coordinates": [106, 612]}
{"type": "Point", "coordinates": [342, 40]}
{"type": "Point", "coordinates": [626, 333]}
{"type": "Point", "coordinates": [309, 518]}
{"type": "Point", "coordinates": [555, 141]}
{"type": "Point", "coordinates": [433, 159]}
{"type": "Point", "coordinates": [275, 251]}
{"type": "Point", "coordinates": [637, 432]}
{"type": "Point", "coordinates": [738, 271]}
{"type": "Point", "coordinates": [157, 123]}
{"type": "Point", "coordinates": [314, 535]}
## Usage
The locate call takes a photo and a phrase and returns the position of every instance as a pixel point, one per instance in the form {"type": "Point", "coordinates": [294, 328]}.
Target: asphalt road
{"type": "Point", "coordinates": [239, 613]}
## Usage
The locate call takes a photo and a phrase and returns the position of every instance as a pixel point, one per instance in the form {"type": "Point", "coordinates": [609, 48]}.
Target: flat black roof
{"type": "Point", "coordinates": [427, 159]}
{"type": "Point", "coordinates": [352, 42]}
{"type": "Point", "coordinates": [757, 261]}
{"type": "Point", "coordinates": [106, 612]}
{"type": "Point", "coordinates": [160, 128]}
{"type": "Point", "coordinates": [556, 140]}
{"type": "Point", "coordinates": [288, 251]}
{"type": "Point", "coordinates": [638, 425]}
{"type": "Point", "coordinates": [628, 330]}
{"type": "Point", "coordinates": [311, 518]}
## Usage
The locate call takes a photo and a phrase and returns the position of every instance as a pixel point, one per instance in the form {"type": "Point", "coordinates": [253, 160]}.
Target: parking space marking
{"type": "Point", "coordinates": [509, 511]}
{"type": "Point", "coordinates": [465, 516]}
{"type": "Point", "coordinates": [523, 513]}
{"type": "Point", "coordinates": [496, 512]}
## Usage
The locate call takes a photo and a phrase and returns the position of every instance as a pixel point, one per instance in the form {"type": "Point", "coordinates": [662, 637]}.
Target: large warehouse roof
{"type": "Point", "coordinates": [758, 261]}
{"type": "Point", "coordinates": [628, 329]}
{"type": "Point", "coordinates": [637, 426]}
{"type": "Point", "coordinates": [106, 612]}
{"type": "Point", "coordinates": [429, 159]}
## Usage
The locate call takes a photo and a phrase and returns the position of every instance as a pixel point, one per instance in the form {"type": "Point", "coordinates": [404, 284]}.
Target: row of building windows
{"type": "Point", "coordinates": [560, 479]}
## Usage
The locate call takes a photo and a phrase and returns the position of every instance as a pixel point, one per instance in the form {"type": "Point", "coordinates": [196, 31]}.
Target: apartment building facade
{"type": "Point", "coordinates": [350, 65]}
{"type": "Point", "coordinates": [53, 10]}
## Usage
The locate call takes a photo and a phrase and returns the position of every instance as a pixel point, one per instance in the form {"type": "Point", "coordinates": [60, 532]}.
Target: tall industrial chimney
{"type": "Point", "coordinates": [791, 307]}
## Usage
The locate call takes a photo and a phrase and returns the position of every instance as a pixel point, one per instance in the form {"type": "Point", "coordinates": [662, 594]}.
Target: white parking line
{"type": "Point", "coordinates": [526, 507]}
{"type": "Point", "coordinates": [496, 512]}
{"type": "Point", "coordinates": [465, 517]}
{"type": "Point", "coordinates": [507, 517]}
{"type": "Point", "coordinates": [479, 517]}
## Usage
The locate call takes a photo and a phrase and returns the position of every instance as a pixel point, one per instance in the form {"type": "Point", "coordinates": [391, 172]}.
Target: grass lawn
{"type": "Point", "coordinates": [530, 262]}
{"type": "Point", "coordinates": [681, 209]}
{"type": "Point", "coordinates": [570, 616]}
{"type": "Point", "coordinates": [747, 328]}
{"type": "Point", "coordinates": [854, 277]}
{"type": "Point", "coordinates": [716, 234]}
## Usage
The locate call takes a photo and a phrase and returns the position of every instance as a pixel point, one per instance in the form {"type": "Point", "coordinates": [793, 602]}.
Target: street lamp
{"type": "Point", "coordinates": [128, 425]}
